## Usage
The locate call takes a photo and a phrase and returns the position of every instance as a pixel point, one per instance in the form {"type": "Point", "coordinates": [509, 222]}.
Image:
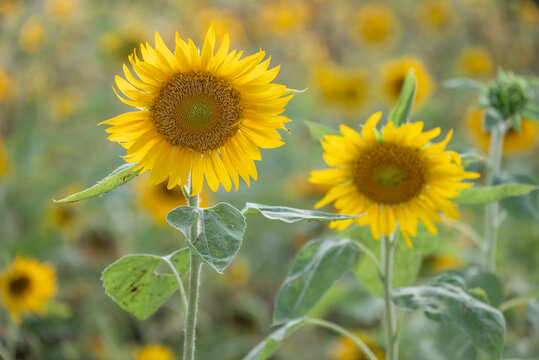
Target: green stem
{"type": "Point", "coordinates": [497, 134]}
{"type": "Point", "coordinates": [390, 323]}
{"type": "Point", "coordinates": [194, 288]}
{"type": "Point", "coordinates": [520, 300]}
{"type": "Point", "coordinates": [338, 329]}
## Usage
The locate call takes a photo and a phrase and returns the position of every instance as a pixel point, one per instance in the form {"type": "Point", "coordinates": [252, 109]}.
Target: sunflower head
{"type": "Point", "coordinates": [394, 72]}
{"type": "Point", "coordinates": [346, 87]}
{"type": "Point", "coordinates": [393, 176]}
{"type": "Point", "coordinates": [155, 352]}
{"type": "Point", "coordinates": [201, 112]}
{"type": "Point", "coordinates": [436, 14]}
{"type": "Point", "coordinates": [509, 94]}
{"type": "Point", "coordinates": [375, 25]}
{"type": "Point", "coordinates": [26, 285]}
{"type": "Point", "coordinates": [32, 35]}
{"type": "Point", "coordinates": [476, 61]}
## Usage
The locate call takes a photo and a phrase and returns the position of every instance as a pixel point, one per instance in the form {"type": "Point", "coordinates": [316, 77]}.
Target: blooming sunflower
{"type": "Point", "coordinates": [477, 61]}
{"type": "Point", "coordinates": [514, 142]}
{"type": "Point", "coordinates": [200, 112]}
{"type": "Point", "coordinates": [375, 25]}
{"type": "Point", "coordinates": [347, 87]}
{"type": "Point", "coordinates": [155, 352]}
{"type": "Point", "coordinates": [394, 72]}
{"type": "Point", "coordinates": [346, 349]}
{"type": "Point", "coordinates": [393, 177]}
{"type": "Point", "coordinates": [26, 285]}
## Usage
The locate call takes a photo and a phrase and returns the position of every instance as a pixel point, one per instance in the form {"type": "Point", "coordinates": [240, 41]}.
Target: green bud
{"type": "Point", "coordinates": [509, 94]}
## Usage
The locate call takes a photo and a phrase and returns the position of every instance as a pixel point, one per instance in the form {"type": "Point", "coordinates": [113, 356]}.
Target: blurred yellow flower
{"type": "Point", "coordinates": [285, 17]}
{"type": "Point", "coordinates": [121, 41]}
{"type": "Point", "coordinates": [159, 200]}
{"type": "Point", "coordinates": [529, 11]}
{"type": "Point", "coordinates": [8, 7]}
{"type": "Point", "coordinates": [375, 24]}
{"type": "Point", "coordinates": [32, 35]}
{"type": "Point", "coordinates": [63, 11]}
{"type": "Point", "coordinates": [6, 86]}
{"type": "Point", "coordinates": [4, 164]}
{"type": "Point", "coordinates": [395, 177]}
{"type": "Point", "coordinates": [443, 262]}
{"type": "Point", "coordinates": [200, 112]}
{"type": "Point", "coordinates": [436, 14]}
{"type": "Point", "coordinates": [224, 22]}
{"type": "Point", "coordinates": [237, 273]}
{"type": "Point", "coordinates": [26, 285]}
{"type": "Point", "coordinates": [515, 143]}
{"type": "Point", "coordinates": [155, 352]}
{"type": "Point", "coordinates": [394, 72]}
{"type": "Point", "coordinates": [64, 103]}
{"type": "Point", "coordinates": [346, 349]}
{"type": "Point", "coordinates": [346, 87]}
{"type": "Point", "coordinates": [476, 61]}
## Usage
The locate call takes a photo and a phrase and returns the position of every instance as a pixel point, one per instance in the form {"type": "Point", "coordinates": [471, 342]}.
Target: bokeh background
{"type": "Point", "coordinates": [58, 59]}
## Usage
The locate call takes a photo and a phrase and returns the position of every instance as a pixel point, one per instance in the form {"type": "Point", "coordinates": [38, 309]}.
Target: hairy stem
{"type": "Point", "coordinates": [390, 321]}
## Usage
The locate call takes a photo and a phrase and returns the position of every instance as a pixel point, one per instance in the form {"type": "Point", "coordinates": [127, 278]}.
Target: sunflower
{"type": "Point", "coordinates": [26, 285]}
{"type": "Point", "coordinates": [375, 25]}
{"type": "Point", "coordinates": [476, 61]}
{"type": "Point", "coordinates": [285, 17]}
{"type": "Point", "coordinates": [514, 142]}
{"type": "Point", "coordinates": [32, 35]}
{"type": "Point", "coordinates": [346, 349]}
{"type": "Point", "coordinates": [224, 22]}
{"type": "Point", "coordinates": [394, 72]}
{"type": "Point", "coordinates": [159, 200]}
{"type": "Point", "coordinates": [155, 352]}
{"type": "Point", "coordinates": [346, 87]}
{"type": "Point", "coordinates": [436, 14]}
{"type": "Point", "coordinates": [393, 176]}
{"type": "Point", "coordinates": [200, 112]}
{"type": "Point", "coordinates": [441, 262]}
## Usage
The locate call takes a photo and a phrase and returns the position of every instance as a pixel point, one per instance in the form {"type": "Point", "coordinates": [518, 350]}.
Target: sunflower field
{"type": "Point", "coordinates": [269, 180]}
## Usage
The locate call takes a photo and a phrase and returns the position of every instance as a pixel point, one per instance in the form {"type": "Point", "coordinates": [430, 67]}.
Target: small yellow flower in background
{"type": "Point", "coordinates": [32, 35]}
{"type": "Point", "coordinates": [224, 21]}
{"type": "Point", "coordinates": [238, 273]}
{"type": "Point", "coordinates": [121, 41]}
{"type": "Point", "coordinates": [202, 112]}
{"type": "Point", "coordinates": [159, 200]}
{"type": "Point", "coordinates": [6, 86]}
{"type": "Point", "coordinates": [64, 103]}
{"type": "Point", "coordinates": [476, 61]}
{"type": "Point", "coordinates": [436, 14]}
{"type": "Point", "coordinates": [394, 72]}
{"type": "Point", "coordinates": [346, 87]}
{"type": "Point", "coordinates": [375, 25]}
{"type": "Point", "coordinates": [63, 11]}
{"type": "Point", "coordinates": [4, 163]}
{"type": "Point", "coordinates": [8, 7]}
{"type": "Point", "coordinates": [394, 177]}
{"type": "Point", "coordinates": [515, 143]}
{"type": "Point", "coordinates": [346, 349]}
{"type": "Point", "coordinates": [26, 285]}
{"type": "Point", "coordinates": [64, 218]}
{"type": "Point", "coordinates": [155, 352]}
{"type": "Point", "coordinates": [529, 11]}
{"type": "Point", "coordinates": [285, 17]}
{"type": "Point", "coordinates": [438, 263]}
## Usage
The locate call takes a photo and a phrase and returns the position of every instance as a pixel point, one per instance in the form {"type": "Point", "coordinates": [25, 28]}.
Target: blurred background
{"type": "Point", "coordinates": [58, 59]}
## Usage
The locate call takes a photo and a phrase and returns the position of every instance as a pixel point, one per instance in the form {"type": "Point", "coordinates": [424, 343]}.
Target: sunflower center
{"type": "Point", "coordinates": [197, 111]}
{"type": "Point", "coordinates": [389, 174]}
{"type": "Point", "coordinates": [19, 285]}
{"type": "Point", "coordinates": [397, 85]}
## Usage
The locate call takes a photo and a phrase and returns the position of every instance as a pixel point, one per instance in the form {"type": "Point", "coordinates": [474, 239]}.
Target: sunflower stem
{"type": "Point", "coordinates": [189, 346]}
{"type": "Point", "coordinates": [492, 210]}
{"type": "Point", "coordinates": [390, 323]}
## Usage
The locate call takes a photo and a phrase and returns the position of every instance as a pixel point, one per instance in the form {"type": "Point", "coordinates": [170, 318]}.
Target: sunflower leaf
{"type": "Point", "coordinates": [315, 269]}
{"type": "Point", "coordinates": [291, 215]}
{"type": "Point", "coordinates": [445, 299]}
{"type": "Point", "coordinates": [220, 232]}
{"type": "Point", "coordinates": [464, 83]}
{"type": "Point", "coordinates": [485, 194]}
{"type": "Point", "coordinates": [267, 347]}
{"type": "Point", "coordinates": [134, 285]}
{"type": "Point", "coordinates": [399, 115]}
{"type": "Point", "coordinates": [118, 177]}
{"type": "Point", "coordinates": [470, 158]}
{"type": "Point", "coordinates": [318, 131]}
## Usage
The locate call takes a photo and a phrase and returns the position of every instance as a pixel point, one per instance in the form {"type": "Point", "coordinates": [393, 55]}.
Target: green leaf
{"type": "Point", "coordinates": [316, 267]}
{"type": "Point", "coordinates": [399, 115]}
{"type": "Point", "coordinates": [463, 83]}
{"type": "Point", "coordinates": [407, 261]}
{"type": "Point", "coordinates": [318, 131]}
{"type": "Point", "coordinates": [269, 345]}
{"type": "Point", "coordinates": [485, 194]}
{"type": "Point", "coordinates": [118, 177]}
{"type": "Point", "coordinates": [489, 282]}
{"type": "Point", "coordinates": [291, 215]}
{"type": "Point", "coordinates": [532, 314]}
{"type": "Point", "coordinates": [134, 285]}
{"type": "Point", "coordinates": [521, 207]}
{"type": "Point", "coordinates": [445, 299]}
{"type": "Point", "coordinates": [220, 233]}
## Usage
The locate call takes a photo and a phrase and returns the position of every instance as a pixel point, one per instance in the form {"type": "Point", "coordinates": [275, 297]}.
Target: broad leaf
{"type": "Point", "coordinates": [318, 131]}
{"type": "Point", "coordinates": [521, 207]}
{"type": "Point", "coordinates": [118, 177]}
{"type": "Point", "coordinates": [291, 215]}
{"type": "Point", "coordinates": [267, 347]}
{"type": "Point", "coordinates": [399, 115]}
{"type": "Point", "coordinates": [316, 267]}
{"type": "Point", "coordinates": [445, 299]}
{"type": "Point", "coordinates": [220, 232]}
{"type": "Point", "coordinates": [463, 83]}
{"type": "Point", "coordinates": [134, 285]}
{"type": "Point", "coordinates": [485, 194]}
{"type": "Point", "coordinates": [489, 282]}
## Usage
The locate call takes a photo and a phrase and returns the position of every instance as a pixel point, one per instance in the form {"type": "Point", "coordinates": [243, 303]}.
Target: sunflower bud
{"type": "Point", "coordinates": [509, 94]}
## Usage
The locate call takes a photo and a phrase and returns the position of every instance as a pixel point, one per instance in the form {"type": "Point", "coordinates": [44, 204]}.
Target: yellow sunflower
{"type": "Point", "coordinates": [346, 349]}
{"type": "Point", "coordinates": [394, 72]}
{"type": "Point", "coordinates": [394, 177]}
{"type": "Point", "coordinates": [441, 262]}
{"type": "Point", "coordinates": [32, 35]}
{"type": "Point", "coordinates": [155, 352]}
{"type": "Point", "coordinates": [285, 17]}
{"type": "Point", "coordinates": [476, 61]}
{"type": "Point", "coordinates": [26, 285]}
{"type": "Point", "coordinates": [375, 24]}
{"type": "Point", "coordinates": [346, 87]}
{"type": "Point", "coordinates": [514, 143]}
{"type": "Point", "coordinates": [436, 14]}
{"type": "Point", "coordinates": [200, 112]}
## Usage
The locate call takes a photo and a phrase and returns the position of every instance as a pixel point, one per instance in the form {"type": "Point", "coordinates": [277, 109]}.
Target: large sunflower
{"type": "Point", "coordinates": [393, 176]}
{"type": "Point", "coordinates": [26, 285]}
{"type": "Point", "coordinates": [201, 112]}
